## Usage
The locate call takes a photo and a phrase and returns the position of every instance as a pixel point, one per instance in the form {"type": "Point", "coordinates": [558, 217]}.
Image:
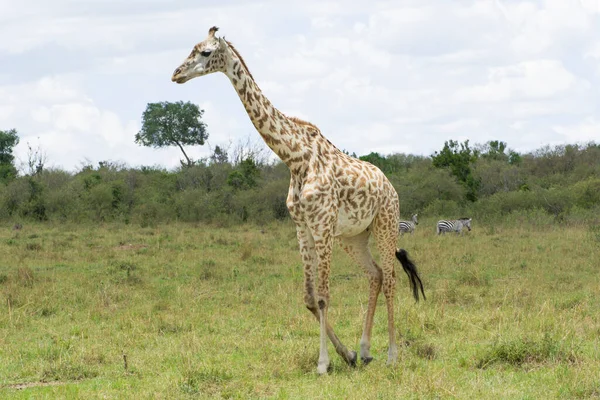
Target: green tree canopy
{"type": "Point", "coordinates": [379, 161]}
{"type": "Point", "coordinates": [494, 150]}
{"type": "Point", "coordinates": [219, 156]}
{"type": "Point", "coordinates": [458, 158]}
{"type": "Point", "coordinates": [172, 124]}
{"type": "Point", "coordinates": [8, 140]}
{"type": "Point", "coordinates": [245, 175]}
{"type": "Point", "coordinates": [498, 150]}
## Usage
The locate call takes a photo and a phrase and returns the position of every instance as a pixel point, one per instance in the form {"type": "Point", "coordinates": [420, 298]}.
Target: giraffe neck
{"type": "Point", "coordinates": [278, 131]}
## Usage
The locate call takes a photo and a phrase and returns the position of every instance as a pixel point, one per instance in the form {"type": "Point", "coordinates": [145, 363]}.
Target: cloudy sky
{"type": "Point", "coordinates": [386, 76]}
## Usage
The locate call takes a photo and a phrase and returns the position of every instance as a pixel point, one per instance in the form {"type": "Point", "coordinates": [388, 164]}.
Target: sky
{"type": "Point", "coordinates": [385, 76]}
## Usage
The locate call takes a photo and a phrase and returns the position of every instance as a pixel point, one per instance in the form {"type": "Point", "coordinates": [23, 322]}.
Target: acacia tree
{"type": "Point", "coordinates": [8, 140]}
{"type": "Point", "coordinates": [172, 124]}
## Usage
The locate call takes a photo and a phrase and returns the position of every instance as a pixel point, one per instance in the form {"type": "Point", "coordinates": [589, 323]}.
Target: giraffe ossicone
{"type": "Point", "coordinates": [331, 196]}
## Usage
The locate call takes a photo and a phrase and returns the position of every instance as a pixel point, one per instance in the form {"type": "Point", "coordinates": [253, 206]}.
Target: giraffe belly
{"type": "Point", "coordinates": [351, 223]}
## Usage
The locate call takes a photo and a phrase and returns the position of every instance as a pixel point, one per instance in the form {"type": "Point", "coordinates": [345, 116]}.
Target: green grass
{"type": "Point", "coordinates": [196, 311]}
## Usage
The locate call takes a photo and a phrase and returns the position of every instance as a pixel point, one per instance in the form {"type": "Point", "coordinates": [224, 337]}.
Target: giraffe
{"type": "Point", "coordinates": [331, 196]}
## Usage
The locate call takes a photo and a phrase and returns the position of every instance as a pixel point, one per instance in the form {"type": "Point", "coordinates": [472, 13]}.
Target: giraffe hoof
{"type": "Point", "coordinates": [366, 360]}
{"type": "Point", "coordinates": [352, 359]}
{"type": "Point", "coordinates": [323, 369]}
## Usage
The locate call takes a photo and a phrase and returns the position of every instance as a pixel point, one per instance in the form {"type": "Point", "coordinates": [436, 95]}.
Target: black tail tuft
{"type": "Point", "coordinates": [411, 270]}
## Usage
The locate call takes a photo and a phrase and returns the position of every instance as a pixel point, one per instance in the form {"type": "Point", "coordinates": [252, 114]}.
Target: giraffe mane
{"type": "Point", "coordinates": [293, 119]}
{"type": "Point", "coordinates": [302, 122]}
{"type": "Point", "coordinates": [239, 56]}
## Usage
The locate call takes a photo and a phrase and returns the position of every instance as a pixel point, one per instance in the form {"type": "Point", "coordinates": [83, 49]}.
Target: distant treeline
{"type": "Point", "coordinates": [488, 182]}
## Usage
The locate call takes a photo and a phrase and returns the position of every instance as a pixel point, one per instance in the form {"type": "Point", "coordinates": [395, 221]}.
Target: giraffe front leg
{"type": "Point", "coordinates": [323, 248]}
{"type": "Point", "coordinates": [310, 261]}
{"type": "Point", "coordinates": [357, 248]}
{"type": "Point", "coordinates": [323, 364]}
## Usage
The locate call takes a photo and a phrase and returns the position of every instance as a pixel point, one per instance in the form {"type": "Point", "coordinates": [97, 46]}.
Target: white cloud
{"type": "Point", "coordinates": [381, 76]}
{"type": "Point", "coordinates": [592, 55]}
{"type": "Point", "coordinates": [591, 6]}
{"type": "Point", "coordinates": [378, 137]}
{"type": "Point", "coordinates": [459, 126]}
{"type": "Point", "coordinates": [542, 25]}
{"type": "Point", "coordinates": [537, 79]}
{"type": "Point", "coordinates": [585, 131]}
{"type": "Point", "coordinates": [6, 111]}
{"type": "Point", "coordinates": [593, 51]}
{"type": "Point", "coordinates": [68, 125]}
{"type": "Point", "coordinates": [299, 66]}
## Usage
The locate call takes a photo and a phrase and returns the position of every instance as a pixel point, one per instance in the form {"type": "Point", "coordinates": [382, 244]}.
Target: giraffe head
{"type": "Point", "coordinates": [206, 57]}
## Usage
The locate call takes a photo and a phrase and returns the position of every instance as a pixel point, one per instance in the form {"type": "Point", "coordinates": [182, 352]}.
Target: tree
{"type": "Point", "coordinates": [219, 156]}
{"type": "Point", "coordinates": [172, 124]}
{"type": "Point", "coordinates": [379, 161]}
{"type": "Point", "coordinates": [346, 152]}
{"type": "Point", "coordinates": [245, 175]}
{"type": "Point", "coordinates": [494, 150]}
{"type": "Point", "coordinates": [250, 148]}
{"type": "Point", "coordinates": [8, 140]}
{"type": "Point", "coordinates": [459, 161]}
{"type": "Point", "coordinates": [514, 158]}
{"type": "Point", "coordinates": [497, 150]}
{"type": "Point", "coordinates": [36, 160]}
{"type": "Point", "coordinates": [497, 176]}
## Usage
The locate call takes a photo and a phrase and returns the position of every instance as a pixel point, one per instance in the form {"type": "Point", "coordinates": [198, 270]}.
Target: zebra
{"type": "Point", "coordinates": [456, 225]}
{"type": "Point", "coordinates": [408, 226]}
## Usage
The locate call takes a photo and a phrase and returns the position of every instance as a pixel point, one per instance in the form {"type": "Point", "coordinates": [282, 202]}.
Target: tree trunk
{"type": "Point", "coordinates": [189, 162]}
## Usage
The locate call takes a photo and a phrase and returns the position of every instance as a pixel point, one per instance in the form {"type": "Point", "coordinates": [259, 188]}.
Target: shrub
{"type": "Point", "coordinates": [443, 208]}
{"type": "Point", "coordinates": [524, 351]}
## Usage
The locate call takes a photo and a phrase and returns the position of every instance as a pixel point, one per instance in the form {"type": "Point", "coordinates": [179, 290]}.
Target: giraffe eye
{"type": "Point", "coordinates": [205, 53]}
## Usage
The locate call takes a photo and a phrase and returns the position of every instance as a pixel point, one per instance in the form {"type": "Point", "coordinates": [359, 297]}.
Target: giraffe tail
{"type": "Point", "coordinates": [413, 275]}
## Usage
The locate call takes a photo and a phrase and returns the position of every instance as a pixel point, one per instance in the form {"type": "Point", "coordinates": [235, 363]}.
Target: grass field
{"type": "Point", "coordinates": [193, 311]}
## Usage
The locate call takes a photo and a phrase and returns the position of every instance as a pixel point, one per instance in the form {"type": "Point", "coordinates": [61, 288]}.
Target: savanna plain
{"type": "Point", "coordinates": [206, 311]}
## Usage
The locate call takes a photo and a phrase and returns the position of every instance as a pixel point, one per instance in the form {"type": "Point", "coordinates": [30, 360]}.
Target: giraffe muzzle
{"type": "Point", "coordinates": [177, 77]}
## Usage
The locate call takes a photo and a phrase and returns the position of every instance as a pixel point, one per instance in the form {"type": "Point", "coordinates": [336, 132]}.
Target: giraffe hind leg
{"type": "Point", "coordinates": [386, 237]}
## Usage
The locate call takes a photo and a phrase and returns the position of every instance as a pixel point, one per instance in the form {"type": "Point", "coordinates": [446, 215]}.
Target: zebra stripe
{"type": "Point", "coordinates": [408, 226]}
{"type": "Point", "coordinates": [455, 225]}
